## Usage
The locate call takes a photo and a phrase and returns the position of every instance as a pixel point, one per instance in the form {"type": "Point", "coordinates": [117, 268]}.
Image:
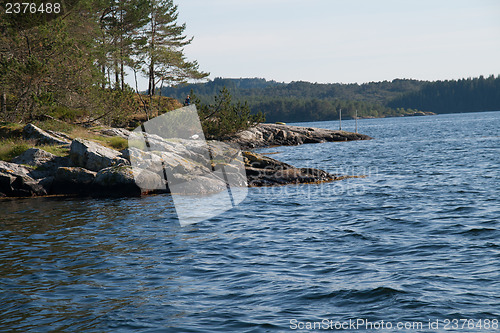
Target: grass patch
{"type": "Point", "coordinates": [10, 148]}
{"type": "Point", "coordinates": [118, 143]}
{"type": "Point", "coordinates": [13, 147]}
{"type": "Point", "coordinates": [12, 144]}
{"type": "Point", "coordinates": [10, 130]}
{"type": "Point", "coordinates": [56, 150]}
{"type": "Point", "coordinates": [58, 126]}
{"type": "Point", "coordinates": [114, 142]}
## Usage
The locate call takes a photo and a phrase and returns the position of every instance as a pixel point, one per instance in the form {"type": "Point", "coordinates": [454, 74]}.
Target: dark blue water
{"type": "Point", "coordinates": [417, 240]}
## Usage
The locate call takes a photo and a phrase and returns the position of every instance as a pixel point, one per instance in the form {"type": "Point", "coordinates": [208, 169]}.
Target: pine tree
{"type": "Point", "coordinates": [121, 23]}
{"type": "Point", "coordinates": [164, 61]}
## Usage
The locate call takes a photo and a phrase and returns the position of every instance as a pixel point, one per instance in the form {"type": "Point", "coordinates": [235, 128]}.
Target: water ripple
{"type": "Point", "coordinates": [416, 240]}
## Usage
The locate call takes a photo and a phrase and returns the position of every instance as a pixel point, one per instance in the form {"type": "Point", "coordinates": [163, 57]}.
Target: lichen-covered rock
{"type": "Point", "coordinates": [75, 175]}
{"type": "Point", "coordinates": [44, 163]}
{"type": "Point", "coordinates": [16, 182]}
{"type": "Point", "coordinates": [42, 137]}
{"type": "Point", "coordinates": [164, 161]}
{"type": "Point", "coordinates": [150, 182]}
{"type": "Point", "coordinates": [265, 171]}
{"type": "Point", "coordinates": [115, 176]}
{"type": "Point", "coordinates": [72, 180]}
{"type": "Point", "coordinates": [264, 135]}
{"type": "Point", "coordinates": [259, 161]}
{"type": "Point", "coordinates": [191, 184]}
{"type": "Point", "coordinates": [93, 156]}
{"type": "Point", "coordinates": [127, 181]}
{"type": "Point", "coordinates": [34, 157]}
{"type": "Point", "coordinates": [15, 169]}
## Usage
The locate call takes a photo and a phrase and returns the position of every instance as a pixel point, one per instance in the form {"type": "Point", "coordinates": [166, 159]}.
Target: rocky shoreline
{"type": "Point", "coordinates": [265, 135]}
{"type": "Point", "coordinates": [91, 169]}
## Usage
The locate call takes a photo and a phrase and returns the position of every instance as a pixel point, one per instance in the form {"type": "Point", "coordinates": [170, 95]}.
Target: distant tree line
{"type": "Point", "coordinates": [465, 95]}
{"type": "Point", "coordinates": [304, 101]}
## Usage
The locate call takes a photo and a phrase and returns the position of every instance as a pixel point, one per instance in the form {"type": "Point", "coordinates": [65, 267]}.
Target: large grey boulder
{"type": "Point", "coordinates": [75, 175]}
{"type": "Point", "coordinates": [166, 161]}
{"type": "Point", "coordinates": [191, 149]}
{"type": "Point", "coordinates": [72, 180]}
{"type": "Point", "coordinates": [193, 185]}
{"type": "Point", "coordinates": [265, 171]}
{"type": "Point", "coordinates": [42, 137]}
{"type": "Point", "coordinates": [34, 157]}
{"type": "Point", "coordinates": [44, 163]}
{"type": "Point", "coordinates": [15, 169]}
{"type": "Point", "coordinates": [93, 156]}
{"type": "Point", "coordinates": [16, 182]}
{"type": "Point", "coordinates": [127, 181]}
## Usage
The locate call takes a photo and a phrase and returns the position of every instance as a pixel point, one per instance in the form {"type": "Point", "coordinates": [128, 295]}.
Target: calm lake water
{"type": "Point", "coordinates": [415, 241]}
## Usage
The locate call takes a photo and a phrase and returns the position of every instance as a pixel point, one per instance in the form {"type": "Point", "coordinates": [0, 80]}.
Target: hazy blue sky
{"type": "Point", "coordinates": [344, 41]}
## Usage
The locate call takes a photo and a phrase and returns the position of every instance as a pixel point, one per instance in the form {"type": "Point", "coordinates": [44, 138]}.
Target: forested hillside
{"type": "Point", "coordinates": [466, 95]}
{"type": "Point", "coordinates": [304, 101]}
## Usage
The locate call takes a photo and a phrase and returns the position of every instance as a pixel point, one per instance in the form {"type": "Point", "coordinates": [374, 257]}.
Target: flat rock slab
{"type": "Point", "coordinates": [32, 132]}
{"type": "Point", "coordinates": [93, 156]}
{"type": "Point", "coordinates": [264, 135]}
{"type": "Point", "coordinates": [34, 157]}
{"type": "Point", "coordinates": [16, 182]}
{"type": "Point", "coordinates": [125, 181]}
{"type": "Point", "coordinates": [265, 171]}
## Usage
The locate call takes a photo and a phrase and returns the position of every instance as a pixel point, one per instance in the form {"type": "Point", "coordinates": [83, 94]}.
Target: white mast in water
{"type": "Point", "coordinates": [340, 120]}
{"type": "Point", "coordinates": [356, 120]}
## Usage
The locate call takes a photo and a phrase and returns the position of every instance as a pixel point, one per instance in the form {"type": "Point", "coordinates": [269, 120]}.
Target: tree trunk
{"type": "Point", "coordinates": [151, 79]}
{"type": "Point", "coordinates": [3, 104]}
{"type": "Point", "coordinates": [103, 70]}
{"type": "Point", "coordinates": [122, 72]}
{"type": "Point", "coordinates": [117, 75]}
{"type": "Point", "coordinates": [121, 47]}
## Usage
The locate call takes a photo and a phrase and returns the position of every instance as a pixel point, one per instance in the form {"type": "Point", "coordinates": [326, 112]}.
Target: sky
{"type": "Point", "coordinates": [328, 41]}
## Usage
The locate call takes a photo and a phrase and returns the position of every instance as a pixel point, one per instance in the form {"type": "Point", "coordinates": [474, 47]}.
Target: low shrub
{"type": "Point", "coordinates": [10, 148]}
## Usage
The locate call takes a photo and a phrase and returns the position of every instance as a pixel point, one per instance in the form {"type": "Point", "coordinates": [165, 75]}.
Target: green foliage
{"type": "Point", "coordinates": [255, 89]}
{"type": "Point", "coordinates": [118, 143]}
{"type": "Point", "coordinates": [10, 130]}
{"type": "Point", "coordinates": [13, 147]}
{"type": "Point", "coordinates": [64, 113]}
{"type": "Point", "coordinates": [10, 148]}
{"type": "Point", "coordinates": [223, 117]}
{"type": "Point", "coordinates": [72, 66]}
